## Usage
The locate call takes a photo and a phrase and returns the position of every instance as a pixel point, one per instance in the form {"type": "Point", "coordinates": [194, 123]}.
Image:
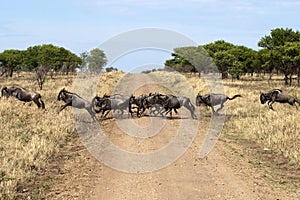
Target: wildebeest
{"type": "Point", "coordinates": [277, 95]}
{"type": "Point", "coordinates": [144, 102]}
{"type": "Point", "coordinates": [213, 99]}
{"type": "Point", "coordinates": [171, 102]}
{"type": "Point", "coordinates": [23, 94]}
{"type": "Point", "coordinates": [139, 102]}
{"type": "Point", "coordinates": [74, 100]}
{"type": "Point", "coordinates": [111, 102]}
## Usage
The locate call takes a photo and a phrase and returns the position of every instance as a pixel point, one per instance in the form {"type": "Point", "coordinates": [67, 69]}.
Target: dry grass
{"type": "Point", "coordinates": [247, 118]}
{"type": "Point", "coordinates": [30, 137]}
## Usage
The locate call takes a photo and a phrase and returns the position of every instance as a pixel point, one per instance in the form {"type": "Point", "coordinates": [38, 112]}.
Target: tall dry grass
{"type": "Point", "coordinates": [30, 137]}
{"type": "Point", "coordinates": [277, 131]}
{"type": "Point", "coordinates": [246, 118]}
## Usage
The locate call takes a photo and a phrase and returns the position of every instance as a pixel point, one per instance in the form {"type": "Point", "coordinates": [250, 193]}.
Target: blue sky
{"type": "Point", "coordinates": [81, 25]}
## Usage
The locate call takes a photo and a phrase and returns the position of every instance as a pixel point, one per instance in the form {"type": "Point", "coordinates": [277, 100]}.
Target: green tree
{"type": "Point", "coordinates": [96, 60]}
{"type": "Point", "coordinates": [217, 46]}
{"type": "Point", "coordinates": [224, 60]}
{"type": "Point", "coordinates": [11, 60]}
{"type": "Point", "coordinates": [190, 59]}
{"type": "Point", "coordinates": [43, 58]}
{"type": "Point", "coordinates": [219, 51]}
{"type": "Point", "coordinates": [277, 57]}
{"type": "Point", "coordinates": [84, 61]}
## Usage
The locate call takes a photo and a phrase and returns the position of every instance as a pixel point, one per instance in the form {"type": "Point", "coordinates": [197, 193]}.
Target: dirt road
{"type": "Point", "coordinates": [224, 174]}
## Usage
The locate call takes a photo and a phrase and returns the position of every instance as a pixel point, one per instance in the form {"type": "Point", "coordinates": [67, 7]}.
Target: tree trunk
{"type": "Point", "coordinates": [291, 79]}
{"type": "Point", "coordinates": [224, 75]}
{"type": "Point", "coordinates": [298, 77]}
{"type": "Point", "coordinates": [11, 71]}
{"type": "Point", "coordinates": [286, 78]}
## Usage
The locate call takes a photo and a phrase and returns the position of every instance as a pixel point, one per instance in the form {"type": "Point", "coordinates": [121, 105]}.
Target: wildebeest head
{"type": "Point", "coordinates": [132, 100]}
{"type": "Point", "coordinates": [263, 98]}
{"type": "Point", "coordinates": [61, 94]}
{"type": "Point", "coordinates": [202, 99]}
{"type": "Point", "coordinates": [199, 100]}
{"type": "Point", "coordinates": [4, 92]}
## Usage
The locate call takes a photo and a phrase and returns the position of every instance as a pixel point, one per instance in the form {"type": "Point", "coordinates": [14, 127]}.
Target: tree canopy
{"type": "Point", "coordinates": [96, 60]}
{"type": "Point", "coordinates": [279, 51]}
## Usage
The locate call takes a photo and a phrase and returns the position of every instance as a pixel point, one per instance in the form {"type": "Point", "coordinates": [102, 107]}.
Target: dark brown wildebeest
{"type": "Point", "coordinates": [23, 94]}
{"type": "Point", "coordinates": [171, 102]}
{"type": "Point", "coordinates": [111, 102]}
{"type": "Point", "coordinates": [276, 95]}
{"type": "Point", "coordinates": [144, 102]}
{"type": "Point", "coordinates": [212, 100]}
{"type": "Point", "coordinates": [74, 100]}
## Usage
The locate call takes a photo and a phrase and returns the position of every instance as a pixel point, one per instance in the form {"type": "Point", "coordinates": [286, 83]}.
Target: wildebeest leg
{"type": "Point", "coordinates": [167, 111]}
{"type": "Point", "coordinates": [270, 105]}
{"type": "Point", "coordinates": [293, 102]}
{"type": "Point", "coordinates": [37, 102]}
{"type": "Point", "coordinates": [222, 106]}
{"type": "Point", "coordinates": [42, 104]}
{"type": "Point", "coordinates": [91, 113]}
{"type": "Point", "coordinates": [139, 113]}
{"type": "Point", "coordinates": [104, 115]}
{"type": "Point", "coordinates": [193, 115]}
{"type": "Point", "coordinates": [175, 110]}
{"type": "Point", "coordinates": [64, 106]}
{"type": "Point", "coordinates": [191, 108]}
{"type": "Point", "coordinates": [213, 110]}
{"type": "Point", "coordinates": [170, 113]}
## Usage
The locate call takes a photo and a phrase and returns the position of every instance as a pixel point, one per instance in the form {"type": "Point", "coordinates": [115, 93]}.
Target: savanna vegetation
{"type": "Point", "coordinates": [30, 137]}
{"type": "Point", "coordinates": [279, 54]}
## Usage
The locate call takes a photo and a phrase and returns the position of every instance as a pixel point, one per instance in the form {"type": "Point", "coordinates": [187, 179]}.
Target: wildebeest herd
{"type": "Point", "coordinates": [156, 103]}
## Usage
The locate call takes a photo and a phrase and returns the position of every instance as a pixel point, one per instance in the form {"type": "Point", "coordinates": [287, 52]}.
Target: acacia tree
{"type": "Point", "coordinates": [224, 60]}
{"type": "Point", "coordinates": [276, 46]}
{"type": "Point", "coordinates": [96, 60]}
{"type": "Point", "coordinates": [190, 59]}
{"type": "Point", "coordinates": [11, 60]}
{"type": "Point", "coordinates": [218, 50]}
{"type": "Point", "coordinates": [84, 61]}
{"type": "Point", "coordinates": [43, 58]}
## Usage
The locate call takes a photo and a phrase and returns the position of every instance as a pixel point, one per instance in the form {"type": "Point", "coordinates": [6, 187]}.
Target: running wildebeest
{"type": "Point", "coordinates": [139, 102]}
{"type": "Point", "coordinates": [144, 102]}
{"type": "Point", "coordinates": [74, 100]}
{"type": "Point", "coordinates": [276, 95]}
{"type": "Point", "coordinates": [111, 102]}
{"type": "Point", "coordinates": [171, 102]}
{"type": "Point", "coordinates": [212, 100]}
{"type": "Point", "coordinates": [23, 94]}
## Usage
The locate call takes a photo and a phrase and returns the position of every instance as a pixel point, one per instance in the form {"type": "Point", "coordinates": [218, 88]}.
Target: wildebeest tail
{"type": "Point", "coordinates": [235, 96]}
